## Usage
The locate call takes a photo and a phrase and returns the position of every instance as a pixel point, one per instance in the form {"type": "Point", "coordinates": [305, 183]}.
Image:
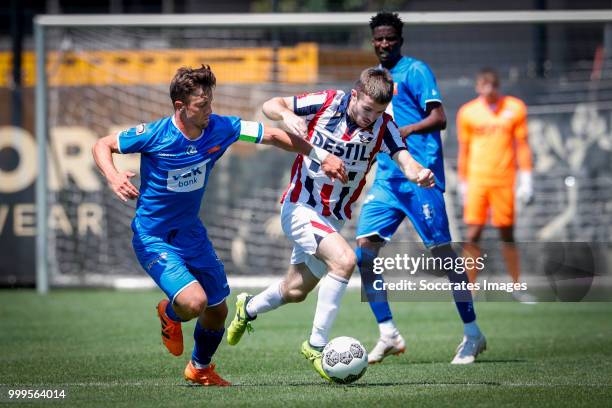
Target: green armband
{"type": "Point", "coordinates": [251, 132]}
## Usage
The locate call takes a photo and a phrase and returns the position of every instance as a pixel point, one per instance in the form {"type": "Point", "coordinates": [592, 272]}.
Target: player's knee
{"type": "Point", "coordinates": [473, 236]}
{"type": "Point", "coordinates": [195, 305]}
{"type": "Point", "coordinates": [506, 234]}
{"type": "Point", "coordinates": [345, 264]}
{"type": "Point", "coordinates": [217, 313]}
{"type": "Point", "coordinates": [295, 295]}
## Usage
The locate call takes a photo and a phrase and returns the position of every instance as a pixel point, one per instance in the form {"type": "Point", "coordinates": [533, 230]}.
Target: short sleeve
{"type": "Point", "coordinates": [520, 127]}
{"type": "Point", "coordinates": [251, 132]}
{"type": "Point", "coordinates": [392, 141]}
{"type": "Point", "coordinates": [234, 129]}
{"type": "Point", "coordinates": [309, 104]}
{"type": "Point", "coordinates": [137, 139]}
{"type": "Point", "coordinates": [422, 84]}
{"type": "Point", "coordinates": [463, 126]}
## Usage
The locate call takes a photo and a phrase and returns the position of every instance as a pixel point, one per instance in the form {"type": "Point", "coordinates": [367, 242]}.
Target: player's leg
{"type": "Point", "coordinates": [378, 221]}
{"type": "Point", "coordinates": [168, 270]}
{"type": "Point", "coordinates": [304, 228]}
{"type": "Point", "coordinates": [207, 336]}
{"type": "Point", "coordinates": [335, 255]}
{"type": "Point", "coordinates": [471, 248]}
{"type": "Point", "coordinates": [502, 217]}
{"type": "Point", "coordinates": [390, 341]}
{"type": "Point", "coordinates": [210, 326]}
{"type": "Point", "coordinates": [340, 260]}
{"type": "Point", "coordinates": [427, 211]}
{"type": "Point", "coordinates": [475, 213]}
{"type": "Point", "coordinates": [502, 208]}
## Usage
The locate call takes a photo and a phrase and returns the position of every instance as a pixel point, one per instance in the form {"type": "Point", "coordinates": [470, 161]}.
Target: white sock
{"type": "Point", "coordinates": [471, 329]}
{"type": "Point", "coordinates": [263, 302]}
{"type": "Point", "coordinates": [330, 294]}
{"type": "Point", "coordinates": [388, 329]}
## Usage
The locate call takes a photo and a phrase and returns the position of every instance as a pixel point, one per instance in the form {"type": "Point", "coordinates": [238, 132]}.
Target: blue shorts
{"type": "Point", "coordinates": [389, 202]}
{"type": "Point", "coordinates": [180, 257]}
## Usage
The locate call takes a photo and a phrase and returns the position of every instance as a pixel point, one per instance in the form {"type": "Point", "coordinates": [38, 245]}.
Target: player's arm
{"type": "Point", "coordinates": [435, 120]}
{"type": "Point", "coordinates": [413, 170]}
{"type": "Point", "coordinates": [332, 166]}
{"type": "Point", "coordinates": [118, 181]}
{"type": "Point", "coordinates": [523, 151]}
{"type": "Point", "coordinates": [524, 189]}
{"type": "Point", "coordinates": [463, 137]}
{"type": "Point", "coordinates": [280, 108]}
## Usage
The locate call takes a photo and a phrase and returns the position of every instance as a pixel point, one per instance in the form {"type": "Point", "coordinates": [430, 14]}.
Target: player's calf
{"type": "Point", "coordinates": [171, 330]}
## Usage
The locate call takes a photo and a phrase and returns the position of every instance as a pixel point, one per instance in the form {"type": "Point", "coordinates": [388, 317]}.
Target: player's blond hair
{"type": "Point", "coordinates": [187, 81]}
{"type": "Point", "coordinates": [377, 83]}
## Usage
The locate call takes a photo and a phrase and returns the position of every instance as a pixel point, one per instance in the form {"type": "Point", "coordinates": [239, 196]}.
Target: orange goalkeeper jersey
{"type": "Point", "coordinates": [493, 143]}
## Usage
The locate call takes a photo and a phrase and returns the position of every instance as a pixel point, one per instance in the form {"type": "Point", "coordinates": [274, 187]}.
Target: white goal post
{"type": "Point", "coordinates": [43, 23]}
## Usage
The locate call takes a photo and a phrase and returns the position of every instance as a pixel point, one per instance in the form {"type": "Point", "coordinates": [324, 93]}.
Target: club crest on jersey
{"type": "Point", "coordinates": [366, 137]}
{"type": "Point", "coordinates": [427, 212]}
{"type": "Point", "coordinates": [191, 150]}
{"type": "Point", "coordinates": [140, 129]}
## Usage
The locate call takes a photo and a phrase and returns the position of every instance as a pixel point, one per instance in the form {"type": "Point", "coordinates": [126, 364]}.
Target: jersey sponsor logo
{"type": "Point", "coordinates": [347, 151]}
{"type": "Point", "coordinates": [188, 178]}
{"type": "Point", "coordinates": [191, 149]}
{"type": "Point", "coordinates": [214, 149]}
{"type": "Point", "coordinates": [140, 129]}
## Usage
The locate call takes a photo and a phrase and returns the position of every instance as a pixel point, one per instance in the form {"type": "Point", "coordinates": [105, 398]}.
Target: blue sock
{"type": "Point", "coordinates": [172, 314]}
{"type": "Point", "coordinates": [376, 298]}
{"type": "Point", "coordinates": [463, 298]}
{"type": "Point", "coordinates": [206, 343]}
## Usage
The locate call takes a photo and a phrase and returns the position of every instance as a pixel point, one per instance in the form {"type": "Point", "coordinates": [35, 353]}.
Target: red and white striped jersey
{"type": "Point", "coordinates": [330, 128]}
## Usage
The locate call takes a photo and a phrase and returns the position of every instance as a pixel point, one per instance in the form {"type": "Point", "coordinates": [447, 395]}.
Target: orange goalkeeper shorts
{"type": "Point", "coordinates": [479, 199]}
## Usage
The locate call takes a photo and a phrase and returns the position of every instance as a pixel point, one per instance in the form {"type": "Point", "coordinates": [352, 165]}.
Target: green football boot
{"type": "Point", "coordinates": [240, 324]}
{"type": "Point", "coordinates": [314, 356]}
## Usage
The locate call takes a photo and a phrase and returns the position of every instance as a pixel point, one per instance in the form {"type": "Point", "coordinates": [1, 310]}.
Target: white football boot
{"type": "Point", "coordinates": [469, 348]}
{"type": "Point", "coordinates": [386, 346]}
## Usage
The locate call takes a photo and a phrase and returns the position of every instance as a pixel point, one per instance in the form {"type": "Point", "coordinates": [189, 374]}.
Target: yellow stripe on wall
{"type": "Point", "coordinates": [297, 64]}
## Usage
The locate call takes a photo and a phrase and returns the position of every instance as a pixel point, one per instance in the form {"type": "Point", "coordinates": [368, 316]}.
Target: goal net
{"type": "Point", "coordinates": [104, 78]}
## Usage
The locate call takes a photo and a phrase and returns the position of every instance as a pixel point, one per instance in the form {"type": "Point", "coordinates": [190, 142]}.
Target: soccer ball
{"type": "Point", "coordinates": [344, 360]}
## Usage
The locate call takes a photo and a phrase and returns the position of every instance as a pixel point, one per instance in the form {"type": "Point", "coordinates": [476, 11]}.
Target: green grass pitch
{"type": "Point", "coordinates": [104, 349]}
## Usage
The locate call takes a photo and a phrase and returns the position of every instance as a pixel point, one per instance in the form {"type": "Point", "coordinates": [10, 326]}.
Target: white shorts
{"type": "Point", "coordinates": [305, 228]}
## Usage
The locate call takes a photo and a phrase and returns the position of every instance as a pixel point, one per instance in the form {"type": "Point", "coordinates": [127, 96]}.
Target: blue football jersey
{"type": "Point", "coordinates": [414, 87]}
{"type": "Point", "coordinates": [174, 170]}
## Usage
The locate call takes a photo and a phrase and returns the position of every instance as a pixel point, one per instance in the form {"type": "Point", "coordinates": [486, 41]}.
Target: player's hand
{"type": "Point", "coordinates": [425, 178]}
{"type": "Point", "coordinates": [524, 189]}
{"type": "Point", "coordinates": [123, 187]}
{"type": "Point", "coordinates": [333, 167]}
{"type": "Point", "coordinates": [295, 124]}
{"type": "Point", "coordinates": [406, 131]}
{"type": "Point", "coordinates": [462, 191]}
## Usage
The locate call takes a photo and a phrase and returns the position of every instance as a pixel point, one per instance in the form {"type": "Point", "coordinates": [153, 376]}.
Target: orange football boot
{"type": "Point", "coordinates": [171, 332]}
{"type": "Point", "coordinates": [204, 376]}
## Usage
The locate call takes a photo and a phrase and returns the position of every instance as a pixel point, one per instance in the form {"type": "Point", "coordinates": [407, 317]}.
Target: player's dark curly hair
{"type": "Point", "coordinates": [187, 81]}
{"type": "Point", "coordinates": [385, 18]}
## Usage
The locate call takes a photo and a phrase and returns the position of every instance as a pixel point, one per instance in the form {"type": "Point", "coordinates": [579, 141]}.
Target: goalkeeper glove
{"type": "Point", "coordinates": [524, 189]}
